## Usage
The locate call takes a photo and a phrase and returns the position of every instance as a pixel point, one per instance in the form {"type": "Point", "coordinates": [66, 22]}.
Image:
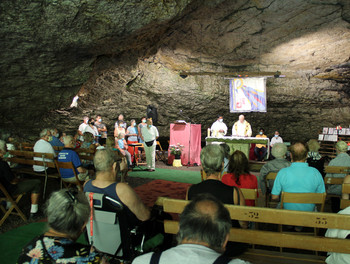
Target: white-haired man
{"type": "Point", "coordinates": [196, 244]}
{"type": "Point", "coordinates": [43, 146]}
{"type": "Point", "coordinates": [67, 154]}
{"type": "Point", "coordinates": [241, 128]}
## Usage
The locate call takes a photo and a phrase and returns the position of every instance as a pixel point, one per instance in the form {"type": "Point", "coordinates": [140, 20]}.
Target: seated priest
{"type": "Point", "coordinates": [67, 154]}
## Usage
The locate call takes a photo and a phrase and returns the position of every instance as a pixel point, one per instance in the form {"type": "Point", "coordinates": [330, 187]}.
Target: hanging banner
{"type": "Point", "coordinates": [248, 94]}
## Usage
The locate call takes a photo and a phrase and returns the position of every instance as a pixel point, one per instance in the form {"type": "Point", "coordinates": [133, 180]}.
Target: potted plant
{"type": "Point", "coordinates": [176, 150]}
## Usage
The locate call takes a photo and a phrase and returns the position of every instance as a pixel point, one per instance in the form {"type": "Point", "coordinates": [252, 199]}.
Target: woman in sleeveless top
{"type": "Point", "coordinates": [212, 157]}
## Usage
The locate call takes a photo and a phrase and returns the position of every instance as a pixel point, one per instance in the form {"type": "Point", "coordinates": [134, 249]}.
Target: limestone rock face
{"type": "Point", "coordinates": [120, 56]}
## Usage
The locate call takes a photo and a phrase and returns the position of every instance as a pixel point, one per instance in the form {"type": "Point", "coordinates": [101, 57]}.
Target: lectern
{"type": "Point", "coordinates": [188, 135]}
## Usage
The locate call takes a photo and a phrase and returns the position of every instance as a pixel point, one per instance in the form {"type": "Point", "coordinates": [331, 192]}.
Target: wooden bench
{"type": "Point", "coordinates": [345, 190]}
{"type": "Point", "coordinates": [297, 241]}
{"type": "Point", "coordinates": [268, 201]}
{"type": "Point", "coordinates": [332, 180]}
{"type": "Point", "coordinates": [27, 158]}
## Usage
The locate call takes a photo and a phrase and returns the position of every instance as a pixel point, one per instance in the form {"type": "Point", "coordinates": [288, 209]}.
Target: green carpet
{"type": "Point", "coordinates": [12, 242]}
{"type": "Point", "coordinates": [168, 175]}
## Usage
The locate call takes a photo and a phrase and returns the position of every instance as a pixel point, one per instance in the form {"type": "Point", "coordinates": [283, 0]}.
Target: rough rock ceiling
{"type": "Point", "coordinates": [120, 56]}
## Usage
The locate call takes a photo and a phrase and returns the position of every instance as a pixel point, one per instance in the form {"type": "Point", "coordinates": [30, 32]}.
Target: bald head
{"type": "Point", "coordinates": [241, 118]}
{"type": "Point", "coordinates": [298, 152]}
{"type": "Point", "coordinates": [206, 221]}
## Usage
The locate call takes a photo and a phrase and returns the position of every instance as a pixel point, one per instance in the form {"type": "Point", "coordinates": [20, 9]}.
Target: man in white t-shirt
{"type": "Point", "coordinates": [43, 146]}
{"type": "Point", "coordinates": [149, 135]}
{"type": "Point", "coordinates": [83, 127]}
{"type": "Point", "coordinates": [276, 139]}
{"type": "Point", "coordinates": [198, 245]}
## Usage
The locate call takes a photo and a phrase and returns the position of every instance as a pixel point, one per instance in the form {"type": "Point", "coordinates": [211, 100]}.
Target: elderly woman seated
{"type": "Point", "coordinates": [314, 158]}
{"type": "Point", "coordinates": [67, 214]}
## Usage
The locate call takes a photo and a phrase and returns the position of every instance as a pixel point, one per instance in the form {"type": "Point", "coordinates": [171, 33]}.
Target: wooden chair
{"type": "Point", "coordinates": [337, 169]}
{"type": "Point", "coordinates": [139, 160]}
{"type": "Point", "coordinates": [345, 190]}
{"type": "Point", "coordinates": [27, 158]}
{"type": "Point", "coordinates": [69, 165]}
{"type": "Point", "coordinates": [304, 198]}
{"type": "Point", "coordinates": [6, 197]}
{"type": "Point", "coordinates": [268, 202]}
{"type": "Point", "coordinates": [160, 153]}
{"type": "Point", "coordinates": [250, 194]}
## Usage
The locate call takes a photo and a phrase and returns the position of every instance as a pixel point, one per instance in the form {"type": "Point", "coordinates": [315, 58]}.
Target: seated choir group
{"type": "Point", "coordinates": [68, 211]}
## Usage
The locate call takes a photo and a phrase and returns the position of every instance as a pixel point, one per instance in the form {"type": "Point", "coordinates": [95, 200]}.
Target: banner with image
{"type": "Point", "coordinates": [248, 94]}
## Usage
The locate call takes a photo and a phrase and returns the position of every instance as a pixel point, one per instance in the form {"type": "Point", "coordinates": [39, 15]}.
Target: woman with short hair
{"type": "Point", "coordinates": [67, 214]}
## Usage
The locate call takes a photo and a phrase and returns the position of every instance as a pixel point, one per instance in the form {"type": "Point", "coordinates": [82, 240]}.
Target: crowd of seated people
{"type": "Point", "coordinates": [296, 176]}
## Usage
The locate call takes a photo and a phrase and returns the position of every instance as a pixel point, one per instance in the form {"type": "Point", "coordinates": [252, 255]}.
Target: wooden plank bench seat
{"type": "Point", "coordinates": [298, 241]}
{"type": "Point", "coordinates": [26, 158]}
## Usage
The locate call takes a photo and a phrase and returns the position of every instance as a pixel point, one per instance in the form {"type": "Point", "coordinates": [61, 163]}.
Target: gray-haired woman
{"type": "Point", "coordinates": [67, 214]}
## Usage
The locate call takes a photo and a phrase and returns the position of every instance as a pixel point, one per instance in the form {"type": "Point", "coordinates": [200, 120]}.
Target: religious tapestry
{"type": "Point", "coordinates": [248, 94]}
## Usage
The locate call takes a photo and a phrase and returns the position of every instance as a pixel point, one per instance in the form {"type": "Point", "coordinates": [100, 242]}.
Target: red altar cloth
{"type": "Point", "coordinates": [188, 135]}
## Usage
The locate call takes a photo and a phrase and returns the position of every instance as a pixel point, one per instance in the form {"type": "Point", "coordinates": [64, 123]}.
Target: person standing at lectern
{"type": "Point", "coordinates": [241, 128]}
{"type": "Point", "coordinates": [218, 128]}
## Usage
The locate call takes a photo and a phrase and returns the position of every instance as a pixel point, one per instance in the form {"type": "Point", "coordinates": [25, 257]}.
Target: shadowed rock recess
{"type": "Point", "coordinates": [121, 55]}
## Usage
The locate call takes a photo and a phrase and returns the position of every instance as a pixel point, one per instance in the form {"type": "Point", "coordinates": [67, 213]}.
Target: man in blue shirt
{"type": "Point", "coordinates": [55, 142]}
{"type": "Point", "coordinates": [69, 155]}
{"type": "Point", "coordinates": [298, 178]}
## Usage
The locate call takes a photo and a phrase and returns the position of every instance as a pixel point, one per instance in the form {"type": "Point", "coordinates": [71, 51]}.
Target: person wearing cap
{"type": "Point", "coordinates": [218, 128]}
{"type": "Point", "coordinates": [342, 159]}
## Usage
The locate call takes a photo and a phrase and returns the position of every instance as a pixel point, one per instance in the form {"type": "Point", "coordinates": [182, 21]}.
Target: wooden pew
{"type": "Point", "coordinates": [337, 169]}
{"type": "Point", "coordinates": [275, 239]}
{"type": "Point", "coordinates": [268, 201]}
{"type": "Point", "coordinates": [345, 190]}
{"type": "Point", "coordinates": [26, 158]}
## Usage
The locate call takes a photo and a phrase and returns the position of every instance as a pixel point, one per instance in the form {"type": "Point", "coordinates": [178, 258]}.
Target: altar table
{"type": "Point", "coordinates": [240, 143]}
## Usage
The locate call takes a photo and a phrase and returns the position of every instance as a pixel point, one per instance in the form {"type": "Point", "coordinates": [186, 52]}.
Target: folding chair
{"type": "Point", "coordinates": [5, 196]}
{"type": "Point", "coordinates": [108, 229]}
{"type": "Point", "coordinates": [270, 176]}
{"type": "Point", "coordinates": [160, 153]}
{"type": "Point", "coordinates": [68, 165]}
{"type": "Point", "coordinates": [345, 190]}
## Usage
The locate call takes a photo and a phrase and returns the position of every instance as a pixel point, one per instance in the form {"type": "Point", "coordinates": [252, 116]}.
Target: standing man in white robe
{"type": "Point", "coordinates": [218, 128]}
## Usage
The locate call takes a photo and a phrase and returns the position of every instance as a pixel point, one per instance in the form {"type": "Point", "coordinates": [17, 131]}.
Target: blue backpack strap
{"type": "Point", "coordinates": [155, 257]}
{"type": "Point", "coordinates": [222, 260]}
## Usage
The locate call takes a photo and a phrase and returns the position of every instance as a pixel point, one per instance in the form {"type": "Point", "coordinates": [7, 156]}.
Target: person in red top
{"type": "Point", "coordinates": [239, 165]}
